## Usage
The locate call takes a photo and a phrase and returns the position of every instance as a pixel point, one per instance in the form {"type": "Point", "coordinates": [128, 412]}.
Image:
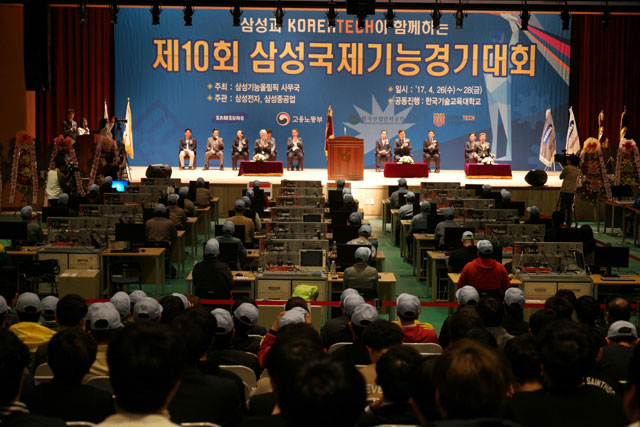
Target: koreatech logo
{"type": "Point", "coordinates": [229, 118]}
{"type": "Point", "coordinates": [283, 118]}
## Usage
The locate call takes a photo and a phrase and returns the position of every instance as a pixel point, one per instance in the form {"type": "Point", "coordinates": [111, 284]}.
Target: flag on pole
{"type": "Point", "coordinates": [127, 137]}
{"type": "Point", "coordinates": [328, 132]}
{"type": "Point", "coordinates": [573, 141]}
{"type": "Point", "coordinates": [548, 141]}
{"type": "Point", "coordinates": [623, 124]}
{"type": "Point", "coordinates": [106, 111]}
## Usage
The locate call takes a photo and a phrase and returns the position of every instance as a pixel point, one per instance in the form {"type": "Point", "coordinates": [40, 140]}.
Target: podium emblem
{"type": "Point", "coordinates": [346, 157]}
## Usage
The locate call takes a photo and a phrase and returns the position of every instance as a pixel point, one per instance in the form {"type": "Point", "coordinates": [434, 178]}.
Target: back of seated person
{"type": "Point", "coordinates": [378, 337]}
{"type": "Point", "coordinates": [337, 329]}
{"type": "Point", "coordinates": [28, 330]}
{"type": "Point", "coordinates": [203, 194]}
{"type": "Point", "coordinates": [408, 310]}
{"type": "Point", "coordinates": [491, 311]}
{"type": "Point", "coordinates": [245, 318]}
{"type": "Point", "coordinates": [361, 276]}
{"type": "Point", "coordinates": [513, 320]}
{"type": "Point", "coordinates": [211, 277]}
{"type": "Point", "coordinates": [103, 322]}
{"type": "Point", "coordinates": [177, 215]}
{"type": "Point", "coordinates": [356, 353]}
{"type": "Point", "coordinates": [524, 357]}
{"type": "Point", "coordinates": [462, 255]}
{"type": "Point", "coordinates": [160, 228]}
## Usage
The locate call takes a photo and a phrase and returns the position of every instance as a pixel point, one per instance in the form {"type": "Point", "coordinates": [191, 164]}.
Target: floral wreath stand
{"type": "Point", "coordinates": [627, 164]}
{"type": "Point", "coordinates": [24, 168]}
{"type": "Point", "coordinates": [593, 181]}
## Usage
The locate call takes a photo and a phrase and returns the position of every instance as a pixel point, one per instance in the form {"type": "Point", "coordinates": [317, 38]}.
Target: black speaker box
{"type": "Point", "coordinates": [536, 178]}
{"type": "Point", "coordinates": [37, 41]}
{"type": "Point", "coordinates": [158, 171]}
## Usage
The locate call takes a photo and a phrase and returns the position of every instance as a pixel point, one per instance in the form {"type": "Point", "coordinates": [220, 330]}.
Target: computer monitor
{"type": "Point", "coordinates": [621, 191]}
{"type": "Point", "coordinates": [258, 199]}
{"type": "Point", "coordinates": [345, 255]}
{"type": "Point", "coordinates": [228, 254]}
{"type": "Point", "coordinates": [120, 186]}
{"type": "Point", "coordinates": [453, 236]}
{"type": "Point", "coordinates": [612, 256]}
{"type": "Point", "coordinates": [313, 259]}
{"type": "Point", "coordinates": [344, 233]}
{"type": "Point", "coordinates": [335, 199]}
{"type": "Point", "coordinates": [433, 220]}
{"type": "Point", "coordinates": [132, 233]}
{"type": "Point", "coordinates": [339, 218]}
{"type": "Point", "coordinates": [148, 213]}
{"type": "Point", "coordinates": [391, 189]}
{"type": "Point", "coordinates": [13, 230]}
{"type": "Point", "coordinates": [54, 212]}
{"type": "Point", "coordinates": [311, 217]}
{"type": "Point", "coordinates": [239, 231]}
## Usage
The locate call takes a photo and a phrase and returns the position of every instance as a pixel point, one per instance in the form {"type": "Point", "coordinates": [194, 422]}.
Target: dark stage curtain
{"type": "Point", "coordinates": [605, 74]}
{"type": "Point", "coordinates": [81, 71]}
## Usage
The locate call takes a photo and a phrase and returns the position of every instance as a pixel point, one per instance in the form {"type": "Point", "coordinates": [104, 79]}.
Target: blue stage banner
{"type": "Point", "coordinates": [488, 77]}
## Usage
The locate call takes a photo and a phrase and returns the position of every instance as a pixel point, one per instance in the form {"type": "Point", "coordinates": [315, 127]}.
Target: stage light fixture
{"type": "Point", "coordinates": [155, 13]}
{"type": "Point", "coordinates": [459, 15]}
{"type": "Point", "coordinates": [188, 15]}
{"type": "Point", "coordinates": [389, 16]}
{"type": "Point", "coordinates": [113, 12]}
{"type": "Point", "coordinates": [279, 14]}
{"type": "Point", "coordinates": [236, 13]}
{"type": "Point", "coordinates": [606, 17]}
{"type": "Point", "coordinates": [332, 15]}
{"type": "Point", "coordinates": [565, 16]}
{"type": "Point", "coordinates": [524, 18]}
{"type": "Point", "coordinates": [435, 17]}
{"type": "Point", "coordinates": [83, 11]}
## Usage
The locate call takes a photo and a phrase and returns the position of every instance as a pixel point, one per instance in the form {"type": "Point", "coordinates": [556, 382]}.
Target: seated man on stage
{"type": "Point", "coordinates": [483, 148]}
{"type": "Point", "coordinates": [214, 149]}
{"type": "Point", "coordinates": [431, 150]}
{"type": "Point", "coordinates": [239, 149]}
{"type": "Point", "coordinates": [471, 149]}
{"type": "Point", "coordinates": [262, 145]}
{"type": "Point", "coordinates": [383, 150]}
{"type": "Point", "coordinates": [272, 145]}
{"type": "Point", "coordinates": [295, 150]}
{"type": "Point", "coordinates": [188, 148]}
{"type": "Point", "coordinates": [402, 146]}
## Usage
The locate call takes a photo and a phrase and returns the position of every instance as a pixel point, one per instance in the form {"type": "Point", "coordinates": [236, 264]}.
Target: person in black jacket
{"type": "Point", "coordinates": [212, 278]}
{"type": "Point", "coordinates": [459, 257]}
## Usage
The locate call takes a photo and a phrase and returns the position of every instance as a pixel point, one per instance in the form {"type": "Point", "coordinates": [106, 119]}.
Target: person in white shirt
{"type": "Point", "coordinates": [84, 127]}
{"type": "Point", "coordinates": [56, 182]}
{"type": "Point", "coordinates": [188, 148]}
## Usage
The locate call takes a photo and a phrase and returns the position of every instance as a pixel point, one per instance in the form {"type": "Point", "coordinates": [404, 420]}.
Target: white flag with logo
{"type": "Point", "coordinates": [573, 142]}
{"type": "Point", "coordinates": [127, 138]}
{"type": "Point", "coordinates": [106, 112]}
{"type": "Point", "coordinates": [548, 141]}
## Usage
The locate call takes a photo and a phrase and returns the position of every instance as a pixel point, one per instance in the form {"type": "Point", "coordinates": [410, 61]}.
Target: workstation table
{"type": "Point", "coordinates": [386, 290]}
{"type": "Point", "coordinates": [243, 283]}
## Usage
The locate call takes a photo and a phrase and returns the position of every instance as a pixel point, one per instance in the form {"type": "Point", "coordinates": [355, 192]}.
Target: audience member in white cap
{"type": "Point", "coordinates": [356, 353]}
{"type": "Point", "coordinates": [245, 315]}
{"type": "Point", "coordinates": [513, 320]}
{"type": "Point", "coordinates": [534, 216]}
{"type": "Point", "coordinates": [361, 276]}
{"type": "Point", "coordinates": [186, 203]}
{"type": "Point", "coordinates": [484, 273]}
{"type": "Point", "coordinates": [228, 228]}
{"type": "Point", "coordinates": [160, 228]}
{"type": "Point", "coordinates": [136, 296]}
{"type": "Point", "coordinates": [203, 194]}
{"type": "Point", "coordinates": [49, 312]}
{"type": "Point", "coordinates": [94, 196]}
{"type": "Point", "coordinates": [34, 232]}
{"type": "Point", "coordinates": [221, 351]}
{"type": "Point", "coordinates": [103, 322]}
{"type": "Point", "coordinates": [448, 222]}
{"type": "Point", "coordinates": [177, 215]}
{"type": "Point", "coordinates": [147, 309]}
{"type": "Point", "coordinates": [337, 329]}
{"type": "Point", "coordinates": [211, 277]}
{"type": "Point", "coordinates": [409, 309]}
{"type": "Point", "coordinates": [394, 199]}
{"type": "Point", "coordinates": [122, 302]}
{"type": "Point", "coordinates": [467, 297]}
{"type": "Point", "coordinates": [406, 211]}
{"type": "Point", "coordinates": [28, 329]}
{"type": "Point", "coordinates": [239, 219]}
{"type": "Point", "coordinates": [622, 339]}
{"type": "Point", "coordinates": [364, 238]}
{"type": "Point", "coordinates": [459, 257]}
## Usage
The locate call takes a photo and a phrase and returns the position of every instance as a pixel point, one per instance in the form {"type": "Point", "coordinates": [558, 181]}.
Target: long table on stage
{"type": "Point", "coordinates": [479, 170]}
{"type": "Point", "coordinates": [402, 170]}
{"type": "Point", "coordinates": [248, 167]}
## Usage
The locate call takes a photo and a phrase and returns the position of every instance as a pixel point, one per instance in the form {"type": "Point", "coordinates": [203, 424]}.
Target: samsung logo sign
{"type": "Point", "coordinates": [229, 118]}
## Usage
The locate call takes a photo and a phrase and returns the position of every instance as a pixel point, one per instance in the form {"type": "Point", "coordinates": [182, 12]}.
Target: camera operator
{"type": "Point", "coordinates": [569, 177]}
{"type": "Point", "coordinates": [57, 181]}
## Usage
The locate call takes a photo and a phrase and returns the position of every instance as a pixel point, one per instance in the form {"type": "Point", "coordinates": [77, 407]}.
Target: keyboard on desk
{"type": "Point", "coordinates": [12, 248]}
{"type": "Point", "coordinates": [618, 279]}
{"type": "Point", "coordinates": [125, 251]}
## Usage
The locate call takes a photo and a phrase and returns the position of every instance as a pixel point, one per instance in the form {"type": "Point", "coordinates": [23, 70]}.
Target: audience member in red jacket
{"type": "Point", "coordinates": [408, 308]}
{"type": "Point", "coordinates": [484, 273]}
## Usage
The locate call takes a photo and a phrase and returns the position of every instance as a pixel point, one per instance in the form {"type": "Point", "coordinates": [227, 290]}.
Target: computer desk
{"type": "Point", "coordinates": [204, 221]}
{"type": "Point", "coordinates": [192, 234]}
{"type": "Point", "coordinates": [27, 253]}
{"type": "Point", "coordinates": [598, 282]}
{"type": "Point", "coordinates": [386, 204]}
{"type": "Point", "coordinates": [243, 283]}
{"type": "Point", "coordinates": [421, 242]}
{"type": "Point", "coordinates": [178, 250]}
{"type": "Point", "coordinates": [405, 225]}
{"type": "Point", "coordinates": [152, 266]}
{"type": "Point", "coordinates": [394, 225]}
{"type": "Point", "coordinates": [213, 204]}
{"type": "Point", "coordinates": [386, 290]}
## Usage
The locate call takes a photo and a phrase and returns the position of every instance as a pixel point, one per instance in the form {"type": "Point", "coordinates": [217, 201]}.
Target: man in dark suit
{"type": "Point", "coordinates": [214, 150]}
{"type": "Point", "coordinates": [470, 149]}
{"type": "Point", "coordinates": [483, 148]}
{"type": "Point", "coordinates": [402, 146]}
{"type": "Point", "coordinates": [273, 155]}
{"type": "Point", "coordinates": [239, 149]}
{"type": "Point", "coordinates": [262, 145]}
{"type": "Point", "coordinates": [188, 148]}
{"type": "Point", "coordinates": [431, 150]}
{"type": "Point", "coordinates": [383, 150]}
{"type": "Point", "coordinates": [69, 126]}
{"type": "Point", "coordinates": [295, 150]}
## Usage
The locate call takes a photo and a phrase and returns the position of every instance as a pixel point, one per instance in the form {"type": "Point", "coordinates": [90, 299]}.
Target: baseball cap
{"type": "Point", "coordinates": [365, 230]}
{"type": "Point", "coordinates": [346, 293]}
{"type": "Point", "coordinates": [364, 315]}
{"type": "Point", "coordinates": [49, 304]}
{"type": "Point", "coordinates": [250, 194]}
{"type": "Point", "coordinates": [467, 235]}
{"type": "Point", "coordinates": [239, 204]}
{"type": "Point", "coordinates": [485, 247]}
{"type": "Point", "coordinates": [122, 303]}
{"type": "Point", "coordinates": [94, 187]}
{"type": "Point", "coordinates": [347, 198]}
{"type": "Point", "coordinates": [340, 182]}
{"type": "Point", "coordinates": [4, 307]}
{"type": "Point", "coordinates": [212, 247]}
{"type": "Point", "coordinates": [228, 227]}
{"type": "Point", "coordinates": [346, 191]}
{"type": "Point", "coordinates": [425, 206]}
{"type": "Point", "coordinates": [28, 302]}
{"type": "Point", "coordinates": [172, 199]}
{"type": "Point", "coordinates": [486, 187]}
{"type": "Point", "coordinates": [108, 180]}
{"type": "Point", "coordinates": [183, 298]}
{"type": "Point", "coordinates": [183, 191]}
{"type": "Point", "coordinates": [514, 296]}
{"type": "Point", "coordinates": [533, 210]}
{"type": "Point", "coordinates": [147, 308]}
{"type": "Point", "coordinates": [223, 320]}
{"type": "Point", "coordinates": [159, 209]}
{"type": "Point", "coordinates": [410, 196]}
{"type": "Point", "coordinates": [506, 194]}
{"type": "Point", "coordinates": [622, 328]}
{"type": "Point", "coordinates": [355, 218]}
{"type": "Point", "coordinates": [256, 184]}
{"type": "Point", "coordinates": [247, 313]}
{"type": "Point", "coordinates": [402, 182]}
{"type": "Point", "coordinates": [408, 305]}
{"type": "Point", "coordinates": [63, 199]}
{"type": "Point", "coordinates": [467, 295]}
{"type": "Point", "coordinates": [104, 316]}
{"type": "Point", "coordinates": [136, 296]}
{"type": "Point", "coordinates": [26, 212]}
{"type": "Point", "coordinates": [247, 201]}
{"type": "Point", "coordinates": [295, 315]}
{"type": "Point", "coordinates": [362, 254]}
{"type": "Point", "coordinates": [448, 213]}
{"type": "Point", "coordinates": [352, 301]}
{"type": "Point", "coordinates": [200, 181]}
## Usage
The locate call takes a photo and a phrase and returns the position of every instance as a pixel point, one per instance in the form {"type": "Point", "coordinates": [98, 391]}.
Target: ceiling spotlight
{"type": "Point", "coordinates": [236, 13]}
{"type": "Point", "coordinates": [155, 13]}
{"type": "Point", "coordinates": [524, 18]}
{"type": "Point", "coordinates": [565, 16]}
{"type": "Point", "coordinates": [83, 11]}
{"type": "Point", "coordinates": [113, 12]}
{"type": "Point", "coordinates": [188, 15]}
{"type": "Point", "coordinates": [279, 14]}
{"type": "Point", "coordinates": [332, 15]}
{"type": "Point", "coordinates": [459, 15]}
{"type": "Point", "coordinates": [606, 17]}
{"type": "Point", "coordinates": [389, 16]}
{"type": "Point", "coordinates": [435, 17]}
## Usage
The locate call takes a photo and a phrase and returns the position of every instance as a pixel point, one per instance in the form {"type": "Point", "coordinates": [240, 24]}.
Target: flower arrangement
{"type": "Point", "coordinates": [592, 171]}
{"type": "Point", "coordinates": [259, 157]}
{"type": "Point", "coordinates": [24, 167]}
{"type": "Point", "coordinates": [487, 161]}
{"type": "Point", "coordinates": [406, 160]}
{"type": "Point", "coordinates": [627, 164]}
